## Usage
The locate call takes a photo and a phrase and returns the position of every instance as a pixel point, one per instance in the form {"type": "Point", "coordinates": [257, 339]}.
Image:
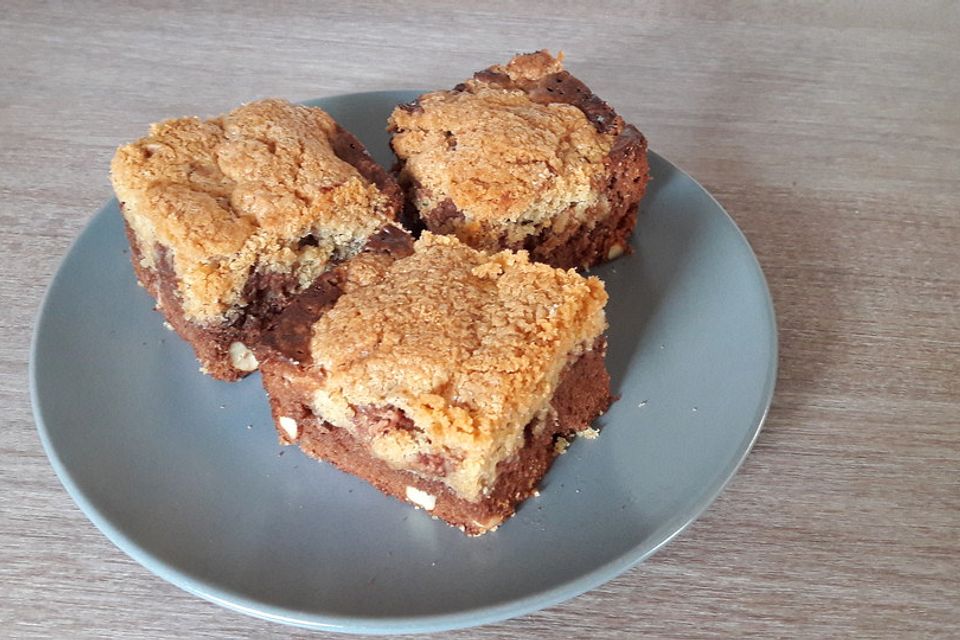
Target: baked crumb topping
{"type": "Point", "coordinates": [508, 153]}
{"type": "Point", "coordinates": [468, 346]}
{"type": "Point", "coordinates": [259, 189]}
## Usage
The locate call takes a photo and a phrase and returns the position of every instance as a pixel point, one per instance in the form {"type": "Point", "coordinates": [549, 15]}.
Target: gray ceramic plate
{"type": "Point", "coordinates": [185, 474]}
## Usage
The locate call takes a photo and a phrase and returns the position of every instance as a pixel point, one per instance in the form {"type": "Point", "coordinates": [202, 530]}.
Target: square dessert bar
{"type": "Point", "coordinates": [444, 376]}
{"type": "Point", "coordinates": [522, 156]}
{"type": "Point", "coordinates": [231, 217]}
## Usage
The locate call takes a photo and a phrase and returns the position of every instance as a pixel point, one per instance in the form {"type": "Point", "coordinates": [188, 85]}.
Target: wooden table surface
{"type": "Point", "coordinates": [830, 133]}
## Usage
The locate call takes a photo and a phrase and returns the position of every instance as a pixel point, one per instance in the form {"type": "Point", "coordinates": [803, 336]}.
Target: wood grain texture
{"type": "Point", "coordinates": [832, 135]}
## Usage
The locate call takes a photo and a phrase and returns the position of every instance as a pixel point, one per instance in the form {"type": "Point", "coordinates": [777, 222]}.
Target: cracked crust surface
{"type": "Point", "coordinates": [467, 347]}
{"type": "Point", "coordinates": [268, 188]}
{"type": "Point", "coordinates": [519, 152]}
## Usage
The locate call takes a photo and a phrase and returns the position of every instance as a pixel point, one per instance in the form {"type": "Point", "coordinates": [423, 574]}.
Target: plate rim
{"type": "Point", "coordinates": [398, 624]}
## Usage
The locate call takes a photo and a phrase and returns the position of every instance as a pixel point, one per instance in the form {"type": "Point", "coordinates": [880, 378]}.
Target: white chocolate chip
{"type": "Point", "coordinates": [490, 524]}
{"type": "Point", "coordinates": [289, 426]}
{"type": "Point", "coordinates": [589, 433]}
{"type": "Point", "coordinates": [615, 251]}
{"type": "Point", "coordinates": [421, 498]}
{"type": "Point", "coordinates": [242, 358]}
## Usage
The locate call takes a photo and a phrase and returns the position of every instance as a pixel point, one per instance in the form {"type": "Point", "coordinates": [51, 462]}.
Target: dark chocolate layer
{"type": "Point", "coordinates": [289, 333]}
{"type": "Point", "coordinates": [561, 87]}
{"type": "Point", "coordinates": [349, 149]}
{"type": "Point", "coordinates": [271, 302]}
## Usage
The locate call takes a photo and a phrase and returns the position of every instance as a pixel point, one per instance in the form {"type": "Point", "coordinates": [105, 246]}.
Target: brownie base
{"type": "Point", "coordinates": [583, 393]}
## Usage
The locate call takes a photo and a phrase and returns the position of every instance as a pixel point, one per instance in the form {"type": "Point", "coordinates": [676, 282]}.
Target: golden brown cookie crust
{"type": "Point", "coordinates": [507, 161]}
{"type": "Point", "coordinates": [237, 193]}
{"type": "Point", "coordinates": [468, 345]}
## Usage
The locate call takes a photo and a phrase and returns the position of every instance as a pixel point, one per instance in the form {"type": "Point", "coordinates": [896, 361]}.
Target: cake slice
{"type": "Point", "coordinates": [229, 218]}
{"type": "Point", "coordinates": [522, 156]}
{"type": "Point", "coordinates": [444, 376]}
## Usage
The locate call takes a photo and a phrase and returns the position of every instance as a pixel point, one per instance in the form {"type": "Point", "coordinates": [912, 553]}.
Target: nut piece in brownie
{"type": "Point", "coordinates": [522, 156]}
{"type": "Point", "coordinates": [447, 378]}
{"type": "Point", "coordinates": [231, 217]}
